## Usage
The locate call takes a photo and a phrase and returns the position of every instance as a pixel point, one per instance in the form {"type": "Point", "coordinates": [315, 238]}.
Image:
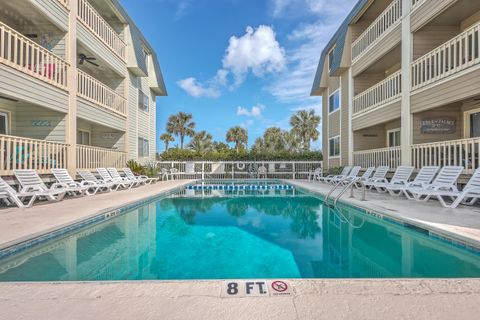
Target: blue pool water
{"type": "Point", "coordinates": [221, 234]}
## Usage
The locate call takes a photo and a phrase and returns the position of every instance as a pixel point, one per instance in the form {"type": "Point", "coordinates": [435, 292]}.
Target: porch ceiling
{"type": "Point", "coordinates": [22, 15]}
{"type": "Point", "coordinates": [456, 13]}
{"type": "Point", "coordinates": [103, 72]}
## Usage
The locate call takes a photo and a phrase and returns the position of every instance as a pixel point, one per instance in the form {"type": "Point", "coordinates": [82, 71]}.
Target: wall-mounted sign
{"type": "Point", "coordinates": [439, 126]}
{"type": "Point", "coordinates": [109, 135]}
{"type": "Point", "coordinates": [41, 123]}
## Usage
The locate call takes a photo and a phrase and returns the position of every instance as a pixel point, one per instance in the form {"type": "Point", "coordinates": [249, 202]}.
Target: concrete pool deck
{"type": "Point", "coordinates": [311, 299]}
{"type": "Point", "coordinates": [462, 223]}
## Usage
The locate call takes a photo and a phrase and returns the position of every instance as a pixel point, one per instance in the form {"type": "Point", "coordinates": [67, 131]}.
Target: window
{"type": "Point", "coordinates": [143, 147]}
{"type": "Point", "coordinates": [143, 101]}
{"type": "Point", "coordinates": [393, 138]}
{"type": "Point", "coordinates": [331, 54]}
{"type": "Point", "coordinates": [334, 147]}
{"type": "Point", "coordinates": [334, 101]}
{"type": "Point", "coordinates": [4, 123]}
{"type": "Point", "coordinates": [83, 137]}
{"type": "Point", "coordinates": [475, 125]}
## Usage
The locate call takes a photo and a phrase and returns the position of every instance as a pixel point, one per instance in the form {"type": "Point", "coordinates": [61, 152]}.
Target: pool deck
{"type": "Point", "coordinates": [462, 224]}
{"type": "Point", "coordinates": [310, 299]}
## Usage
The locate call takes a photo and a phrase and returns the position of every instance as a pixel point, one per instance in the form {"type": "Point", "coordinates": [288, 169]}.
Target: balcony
{"type": "Point", "coordinates": [90, 158]}
{"type": "Point", "coordinates": [98, 93]}
{"type": "Point", "coordinates": [26, 153]}
{"type": "Point", "coordinates": [386, 22]}
{"type": "Point", "coordinates": [24, 55]}
{"type": "Point", "coordinates": [463, 152]}
{"type": "Point", "coordinates": [416, 4]}
{"type": "Point", "coordinates": [452, 57]}
{"type": "Point", "coordinates": [378, 157]}
{"type": "Point", "coordinates": [382, 93]}
{"type": "Point", "coordinates": [97, 25]}
{"type": "Point", "coordinates": [64, 3]}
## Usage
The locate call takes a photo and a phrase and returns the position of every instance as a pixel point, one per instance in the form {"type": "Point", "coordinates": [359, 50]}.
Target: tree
{"type": "Point", "coordinates": [291, 141]}
{"type": "Point", "coordinates": [181, 125]}
{"type": "Point", "coordinates": [220, 146]}
{"type": "Point", "coordinates": [166, 138]}
{"type": "Point", "coordinates": [273, 140]}
{"type": "Point", "coordinates": [305, 124]}
{"type": "Point", "coordinates": [239, 136]}
{"type": "Point", "coordinates": [201, 142]}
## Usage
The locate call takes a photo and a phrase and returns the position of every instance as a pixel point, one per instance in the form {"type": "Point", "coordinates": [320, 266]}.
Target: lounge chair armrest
{"type": "Point", "coordinates": [444, 188]}
{"type": "Point", "coordinates": [59, 185]}
{"type": "Point", "coordinates": [31, 189]}
{"type": "Point", "coordinates": [87, 183]}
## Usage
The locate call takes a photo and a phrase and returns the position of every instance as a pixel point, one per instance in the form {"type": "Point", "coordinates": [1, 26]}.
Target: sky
{"type": "Point", "coordinates": [237, 62]}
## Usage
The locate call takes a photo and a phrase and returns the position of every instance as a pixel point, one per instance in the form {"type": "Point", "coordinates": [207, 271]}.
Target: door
{"type": "Point", "coordinates": [475, 125]}
{"type": "Point", "coordinates": [4, 123]}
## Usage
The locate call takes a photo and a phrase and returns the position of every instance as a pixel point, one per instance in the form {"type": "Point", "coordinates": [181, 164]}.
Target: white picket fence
{"type": "Point", "coordinates": [239, 169]}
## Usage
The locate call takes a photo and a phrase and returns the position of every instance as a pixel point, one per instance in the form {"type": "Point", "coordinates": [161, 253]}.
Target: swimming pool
{"type": "Point", "coordinates": [204, 232]}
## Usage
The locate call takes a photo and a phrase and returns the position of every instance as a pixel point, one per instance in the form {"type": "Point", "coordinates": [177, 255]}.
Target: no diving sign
{"type": "Point", "coordinates": [256, 288]}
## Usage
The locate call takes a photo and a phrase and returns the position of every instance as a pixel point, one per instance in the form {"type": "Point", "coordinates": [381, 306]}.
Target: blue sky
{"type": "Point", "coordinates": [237, 62]}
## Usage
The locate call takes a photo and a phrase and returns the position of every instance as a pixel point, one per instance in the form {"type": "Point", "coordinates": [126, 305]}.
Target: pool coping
{"type": "Point", "coordinates": [455, 239]}
{"type": "Point", "coordinates": [20, 244]}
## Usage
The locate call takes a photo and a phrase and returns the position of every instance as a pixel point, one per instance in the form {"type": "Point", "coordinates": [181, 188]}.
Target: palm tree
{"type": "Point", "coordinates": [181, 125]}
{"type": "Point", "coordinates": [239, 136]}
{"type": "Point", "coordinates": [305, 124]}
{"type": "Point", "coordinates": [273, 140]}
{"type": "Point", "coordinates": [166, 138]}
{"type": "Point", "coordinates": [291, 141]}
{"type": "Point", "coordinates": [201, 142]}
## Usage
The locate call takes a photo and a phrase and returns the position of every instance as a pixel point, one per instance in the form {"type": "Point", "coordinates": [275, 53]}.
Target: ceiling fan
{"type": "Point", "coordinates": [84, 58]}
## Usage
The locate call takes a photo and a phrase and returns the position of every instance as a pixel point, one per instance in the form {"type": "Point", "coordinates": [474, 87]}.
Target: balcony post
{"type": "Point", "coordinates": [407, 58]}
{"type": "Point", "coordinates": [71, 131]}
{"type": "Point", "coordinates": [350, 114]}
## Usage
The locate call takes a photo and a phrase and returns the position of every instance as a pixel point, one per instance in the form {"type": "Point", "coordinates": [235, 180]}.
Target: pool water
{"type": "Point", "coordinates": [223, 234]}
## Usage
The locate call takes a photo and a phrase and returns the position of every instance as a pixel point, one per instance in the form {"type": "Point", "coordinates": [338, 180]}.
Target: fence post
{"type": "Point", "coordinates": [293, 170]}
{"type": "Point", "coordinates": [203, 170]}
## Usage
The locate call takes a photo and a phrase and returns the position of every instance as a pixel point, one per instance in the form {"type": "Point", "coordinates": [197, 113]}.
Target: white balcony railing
{"type": "Point", "coordinates": [378, 157]}
{"type": "Point", "coordinates": [464, 152]}
{"type": "Point", "coordinates": [90, 158]}
{"type": "Point", "coordinates": [98, 26]}
{"type": "Point", "coordinates": [21, 53]}
{"type": "Point", "coordinates": [456, 55]}
{"type": "Point", "coordinates": [94, 91]}
{"type": "Point", "coordinates": [385, 91]}
{"type": "Point", "coordinates": [390, 17]}
{"type": "Point", "coordinates": [239, 169]}
{"type": "Point", "coordinates": [25, 153]}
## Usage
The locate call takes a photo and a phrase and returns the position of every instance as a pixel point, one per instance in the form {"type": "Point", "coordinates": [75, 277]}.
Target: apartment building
{"type": "Point", "coordinates": [78, 86]}
{"type": "Point", "coordinates": [400, 84]}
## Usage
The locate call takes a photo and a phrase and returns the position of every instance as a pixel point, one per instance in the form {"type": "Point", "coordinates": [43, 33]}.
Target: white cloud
{"type": "Point", "coordinates": [306, 43]}
{"type": "Point", "coordinates": [198, 90]}
{"type": "Point", "coordinates": [257, 51]}
{"type": "Point", "coordinates": [255, 111]}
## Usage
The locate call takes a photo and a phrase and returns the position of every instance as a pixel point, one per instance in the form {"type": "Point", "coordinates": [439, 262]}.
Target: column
{"type": "Point", "coordinates": [407, 56]}
{"type": "Point", "coordinates": [350, 114]}
{"type": "Point", "coordinates": [71, 132]}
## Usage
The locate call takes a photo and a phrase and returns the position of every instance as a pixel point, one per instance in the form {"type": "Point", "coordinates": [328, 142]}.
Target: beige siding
{"type": "Point", "coordinates": [431, 37]}
{"type": "Point", "coordinates": [90, 112]}
{"type": "Point", "coordinates": [334, 124]}
{"type": "Point", "coordinates": [366, 81]}
{"type": "Point", "coordinates": [380, 48]}
{"type": "Point", "coordinates": [382, 114]}
{"type": "Point", "coordinates": [21, 86]}
{"type": "Point", "coordinates": [427, 11]}
{"type": "Point", "coordinates": [54, 11]}
{"type": "Point", "coordinates": [369, 138]}
{"type": "Point", "coordinates": [325, 128]}
{"type": "Point", "coordinates": [344, 120]}
{"type": "Point", "coordinates": [463, 85]}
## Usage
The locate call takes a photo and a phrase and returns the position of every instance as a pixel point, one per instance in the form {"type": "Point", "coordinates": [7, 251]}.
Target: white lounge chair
{"type": "Point", "coordinates": [10, 196]}
{"type": "Point", "coordinates": [345, 171]}
{"type": "Point", "coordinates": [125, 180]}
{"type": "Point", "coordinates": [445, 181]}
{"type": "Point", "coordinates": [103, 185]}
{"type": "Point", "coordinates": [165, 174]}
{"type": "Point", "coordinates": [351, 176]}
{"type": "Point", "coordinates": [378, 176]}
{"type": "Point", "coordinates": [106, 177]}
{"type": "Point", "coordinates": [365, 176]}
{"type": "Point", "coordinates": [314, 175]}
{"type": "Point", "coordinates": [31, 182]}
{"type": "Point", "coordinates": [262, 171]}
{"type": "Point", "coordinates": [468, 196]}
{"type": "Point", "coordinates": [424, 177]}
{"type": "Point", "coordinates": [400, 177]}
{"type": "Point", "coordinates": [142, 179]}
{"type": "Point", "coordinates": [74, 188]}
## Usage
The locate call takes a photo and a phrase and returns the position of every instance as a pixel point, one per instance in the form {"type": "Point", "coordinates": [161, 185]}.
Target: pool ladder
{"type": "Point", "coordinates": [347, 186]}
